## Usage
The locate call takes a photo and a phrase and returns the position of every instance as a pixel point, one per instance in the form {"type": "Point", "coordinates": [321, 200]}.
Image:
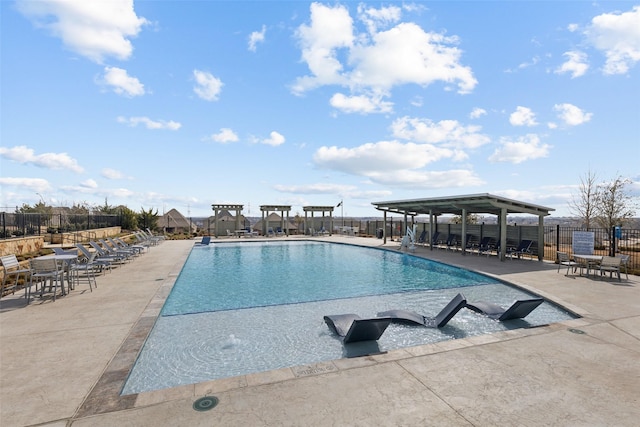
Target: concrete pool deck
{"type": "Point", "coordinates": [62, 363]}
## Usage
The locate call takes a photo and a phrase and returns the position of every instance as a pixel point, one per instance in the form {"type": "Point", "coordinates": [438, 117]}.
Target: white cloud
{"type": "Point", "coordinates": [394, 163]}
{"type": "Point", "coordinates": [207, 86]}
{"type": "Point", "coordinates": [523, 116]}
{"type": "Point", "coordinates": [428, 179]}
{"type": "Point", "coordinates": [374, 18]}
{"type": "Point", "coordinates": [89, 183]}
{"type": "Point", "coordinates": [477, 113]}
{"type": "Point", "coordinates": [576, 64]}
{"type": "Point", "coordinates": [573, 28]}
{"type": "Point", "coordinates": [572, 115]}
{"type": "Point", "coordinates": [274, 139]}
{"type": "Point", "coordinates": [376, 61]}
{"type": "Point", "coordinates": [360, 104]}
{"type": "Point", "coordinates": [520, 150]}
{"type": "Point", "coordinates": [256, 37]}
{"type": "Point", "coordinates": [93, 29]}
{"type": "Point", "coordinates": [225, 136]}
{"type": "Point", "coordinates": [112, 174]}
{"type": "Point", "coordinates": [449, 133]}
{"type": "Point", "coordinates": [31, 184]}
{"type": "Point", "coordinates": [55, 161]}
{"type": "Point", "coordinates": [121, 82]}
{"type": "Point", "coordinates": [319, 188]}
{"type": "Point", "coordinates": [618, 36]}
{"type": "Point", "coordinates": [150, 124]}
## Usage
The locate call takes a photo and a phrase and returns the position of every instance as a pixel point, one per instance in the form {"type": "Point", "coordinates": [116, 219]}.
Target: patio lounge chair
{"type": "Point", "coordinates": [435, 239]}
{"type": "Point", "coordinates": [104, 262]}
{"type": "Point", "coordinates": [485, 246]}
{"type": "Point", "coordinates": [450, 243]}
{"type": "Point", "coordinates": [422, 239]}
{"type": "Point", "coordinates": [352, 328]}
{"type": "Point", "coordinates": [523, 248]}
{"type": "Point", "coordinates": [447, 313]}
{"type": "Point", "coordinates": [518, 310]}
{"type": "Point", "coordinates": [205, 241]}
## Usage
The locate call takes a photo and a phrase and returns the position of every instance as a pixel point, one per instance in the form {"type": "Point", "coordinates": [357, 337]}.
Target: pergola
{"type": "Point", "coordinates": [464, 205]}
{"type": "Point", "coordinates": [265, 209]}
{"type": "Point", "coordinates": [218, 208]}
{"type": "Point", "coordinates": [322, 209]}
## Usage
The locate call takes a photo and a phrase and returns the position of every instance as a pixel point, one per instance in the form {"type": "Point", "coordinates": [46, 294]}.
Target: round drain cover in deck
{"type": "Point", "coordinates": [205, 403]}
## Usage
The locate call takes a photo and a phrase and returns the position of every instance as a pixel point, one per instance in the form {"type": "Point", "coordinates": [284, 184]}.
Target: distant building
{"type": "Point", "coordinates": [174, 222]}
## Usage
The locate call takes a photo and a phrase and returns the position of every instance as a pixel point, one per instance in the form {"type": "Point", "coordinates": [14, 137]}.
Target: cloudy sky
{"type": "Point", "coordinates": [181, 104]}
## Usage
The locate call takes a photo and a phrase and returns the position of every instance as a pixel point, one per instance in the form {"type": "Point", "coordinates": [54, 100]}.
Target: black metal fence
{"type": "Point", "coordinates": [556, 238]}
{"type": "Point", "coordinates": [36, 224]}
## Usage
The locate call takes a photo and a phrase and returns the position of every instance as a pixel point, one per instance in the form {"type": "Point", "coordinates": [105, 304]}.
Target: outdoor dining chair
{"type": "Point", "coordinates": [565, 260]}
{"type": "Point", "coordinates": [12, 268]}
{"type": "Point", "coordinates": [45, 270]}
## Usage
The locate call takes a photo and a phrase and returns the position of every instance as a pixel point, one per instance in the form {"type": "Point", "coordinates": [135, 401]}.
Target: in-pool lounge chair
{"type": "Point", "coordinates": [353, 328]}
{"type": "Point", "coordinates": [447, 313]}
{"type": "Point", "coordinates": [518, 310]}
{"type": "Point", "coordinates": [205, 241]}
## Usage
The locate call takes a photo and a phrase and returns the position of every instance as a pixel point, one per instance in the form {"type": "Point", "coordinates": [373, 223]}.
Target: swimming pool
{"type": "Point", "coordinates": [239, 308]}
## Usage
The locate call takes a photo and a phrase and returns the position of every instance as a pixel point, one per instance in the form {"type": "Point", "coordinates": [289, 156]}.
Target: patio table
{"type": "Point", "coordinates": [67, 259]}
{"type": "Point", "coordinates": [587, 261]}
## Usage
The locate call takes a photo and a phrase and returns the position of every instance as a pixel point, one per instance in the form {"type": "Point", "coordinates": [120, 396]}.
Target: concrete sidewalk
{"type": "Point", "coordinates": [63, 363]}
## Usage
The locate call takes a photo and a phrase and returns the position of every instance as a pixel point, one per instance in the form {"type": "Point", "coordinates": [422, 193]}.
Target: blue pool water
{"type": "Point", "coordinates": [239, 308]}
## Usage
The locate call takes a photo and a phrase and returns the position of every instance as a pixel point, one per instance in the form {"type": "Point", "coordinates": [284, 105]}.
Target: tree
{"type": "Point", "coordinates": [148, 219]}
{"type": "Point", "coordinates": [613, 204]}
{"type": "Point", "coordinates": [584, 204]}
{"type": "Point", "coordinates": [129, 218]}
{"type": "Point", "coordinates": [471, 219]}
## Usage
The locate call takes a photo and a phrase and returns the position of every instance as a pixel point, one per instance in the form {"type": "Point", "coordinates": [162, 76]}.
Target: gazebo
{"type": "Point", "coordinates": [266, 209]}
{"type": "Point", "coordinates": [314, 209]}
{"type": "Point", "coordinates": [468, 204]}
{"type": "Point", "coordinates": [217, 209]}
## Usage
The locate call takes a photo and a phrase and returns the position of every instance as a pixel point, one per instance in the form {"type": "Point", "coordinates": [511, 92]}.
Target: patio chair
{"type": "Point", "coordinates": [88, 267]}
{"type": "Point", "coordinates": [45, 270]}
{"type": "Point", "coordinates": [140, 249]}
{"type": "Point", "coordinates": [450, 243]}
{"type": "Point", "coordinates": [435, 239]}
{"type": "Point", "coordinates": [204, 242]}
{"type": "Point", "coordinates": [104, 263]}
{"type": "Point", "coordinates": [159, 237]}
{"type": "Point", "coordinates": [485, 246]}
{"type": "Point", "coordinates": [422, 238]}
{"type": "Point", "coordinates": [518, 310]}
{"type": "Point", "coordinates": [610, 264]}
{"type": "Point", "coordinates": [565, 261]}
{"type": "Point", "coordinates": [352, 328]}
{"type": "Point", "coordinates": [441, 319]}
{"type": "Point", "coordinates": [624, 263]}
{"type": "Point", "coordinates": [523, 248]}
{"type": "Point", "coordinates": [103, 253]}
{"type": "Point", "coordinates": [12, 268]}
{"type": "Point", "coordinates": [109, 250]}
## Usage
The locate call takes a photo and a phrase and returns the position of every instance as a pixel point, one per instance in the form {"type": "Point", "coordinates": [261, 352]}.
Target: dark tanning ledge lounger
{"type": "Point", "coordinates": [518, 310]}
{"type": "Point", "coordinates": [352, 328]}
{"type": "Point", "coordinates": [447, 313]}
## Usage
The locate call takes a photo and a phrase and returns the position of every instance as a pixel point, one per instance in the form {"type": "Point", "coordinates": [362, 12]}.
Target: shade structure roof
{"type": "Point", "coordinates": [473, 203]}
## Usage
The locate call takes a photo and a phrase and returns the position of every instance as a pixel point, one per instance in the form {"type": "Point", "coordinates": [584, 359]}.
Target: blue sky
{"type": "Point", "coordinates": [181, 104]}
